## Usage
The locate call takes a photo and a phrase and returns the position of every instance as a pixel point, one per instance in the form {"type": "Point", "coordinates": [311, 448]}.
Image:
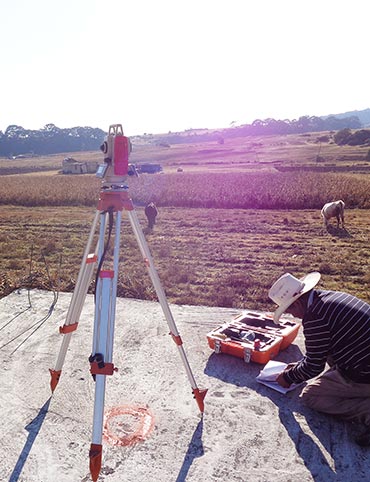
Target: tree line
{"type": "Point", "coordinates": [49, 140]}
{"type": "Point", "coordinates": [268, 127]}
{"type": "Point", "coordinates": [52, 140]}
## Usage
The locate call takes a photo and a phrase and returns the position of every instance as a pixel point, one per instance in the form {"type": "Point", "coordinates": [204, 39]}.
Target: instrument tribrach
{"type": "Point", "coordinates": [253, 336]}
{"type": "Point", "coordinates": [113, 199]}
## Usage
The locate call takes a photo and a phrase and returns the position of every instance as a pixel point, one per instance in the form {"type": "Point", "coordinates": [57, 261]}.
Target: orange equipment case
{"type": "Point", "coordinates": [253, 336]}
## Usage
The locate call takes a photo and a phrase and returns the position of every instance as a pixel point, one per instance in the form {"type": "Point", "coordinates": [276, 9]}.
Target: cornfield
{"type": "Point", "coordinates": [255, 190]}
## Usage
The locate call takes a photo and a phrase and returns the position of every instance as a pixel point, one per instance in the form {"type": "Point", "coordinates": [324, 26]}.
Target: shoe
{"type": "Point", "coordinates": [364, 439]}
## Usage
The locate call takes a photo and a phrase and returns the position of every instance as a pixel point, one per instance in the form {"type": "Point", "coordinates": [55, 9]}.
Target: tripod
{"type": "Point", "coordinates": [113, 199]}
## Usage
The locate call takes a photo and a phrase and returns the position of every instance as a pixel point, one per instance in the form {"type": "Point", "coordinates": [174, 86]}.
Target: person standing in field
{"type": "Point", "coordinates": [151, 213]}
{"type": "Point", "coordinates": [336, 327]}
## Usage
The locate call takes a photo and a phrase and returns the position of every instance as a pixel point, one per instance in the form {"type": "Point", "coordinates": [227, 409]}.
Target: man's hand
{"type": "Point", "coordinates": [281, 380]}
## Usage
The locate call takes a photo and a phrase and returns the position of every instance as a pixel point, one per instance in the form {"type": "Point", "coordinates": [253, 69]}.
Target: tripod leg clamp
{"type": "Point", "coordinates": [177, 339]}
{"type": "Point", "coordinates": [99, 367]}
{"type": "Point", "coordinates": [63, 330]}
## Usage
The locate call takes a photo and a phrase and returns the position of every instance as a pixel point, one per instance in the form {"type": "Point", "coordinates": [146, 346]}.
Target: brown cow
{"type": "Point", "coordinates": [151, 212]}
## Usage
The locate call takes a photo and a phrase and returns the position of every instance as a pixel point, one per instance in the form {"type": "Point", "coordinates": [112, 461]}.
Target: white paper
{"type": "Point", "coordinates": [270, 373]}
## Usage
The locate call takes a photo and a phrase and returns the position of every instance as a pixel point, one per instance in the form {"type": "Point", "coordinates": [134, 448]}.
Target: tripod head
{"type": "Point", "coordinates": [116, 149]}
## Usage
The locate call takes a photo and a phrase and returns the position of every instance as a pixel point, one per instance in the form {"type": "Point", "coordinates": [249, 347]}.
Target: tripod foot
{"type": "Point", "coordinates": [199, 397]}
{"type": "Point", "coordinates": [55, 375]}
{"type": "Point", "coordinates": [95, 455]}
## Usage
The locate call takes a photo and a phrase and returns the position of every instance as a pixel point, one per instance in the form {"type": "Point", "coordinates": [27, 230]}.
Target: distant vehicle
{"type": "Point", "coordinates": [71, 166]}
{"type": "Point", "coordinates": [149, 168]}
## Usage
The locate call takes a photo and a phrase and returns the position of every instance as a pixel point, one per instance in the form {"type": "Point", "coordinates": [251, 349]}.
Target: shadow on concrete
{"type": "Point", "coordinates": [33, 428]}
{"type": "Point", "coordinates": [232, 370]}
{"type": "Point", "coordinates": [328, 431]}
{"type": "Point", "coordinates": [195, 450]}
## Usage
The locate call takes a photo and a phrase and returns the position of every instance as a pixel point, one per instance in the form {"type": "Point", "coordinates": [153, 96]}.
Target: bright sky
{"type": "Point", "coordinates": [166, 65]}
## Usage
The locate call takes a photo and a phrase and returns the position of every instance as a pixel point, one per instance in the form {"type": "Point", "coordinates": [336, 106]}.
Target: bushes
{"type": "Point", "coordinates": [358, 138]}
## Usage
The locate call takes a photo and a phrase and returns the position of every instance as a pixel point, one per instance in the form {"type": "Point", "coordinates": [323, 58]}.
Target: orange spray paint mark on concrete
{"type": "Point", "coordinates": [127, 425]}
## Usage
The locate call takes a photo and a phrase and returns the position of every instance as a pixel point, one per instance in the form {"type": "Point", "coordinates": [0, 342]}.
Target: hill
{"type": "Point", "coordinates": [362, 115]}
{"type": "Point", "coordinates": [17, 140]}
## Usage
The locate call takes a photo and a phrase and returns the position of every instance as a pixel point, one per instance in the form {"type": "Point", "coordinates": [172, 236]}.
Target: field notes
{"type": "Point", "coordinates": [269, 374]}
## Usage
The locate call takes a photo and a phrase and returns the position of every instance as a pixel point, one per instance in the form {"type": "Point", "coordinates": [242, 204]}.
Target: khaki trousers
{"type": "Point", "coordinates": [333, 394]}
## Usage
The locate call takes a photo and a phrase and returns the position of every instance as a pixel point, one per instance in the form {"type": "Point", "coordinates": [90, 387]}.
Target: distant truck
{"type": "Point", "coordinates": [71, 166]}
{"type": "Point", "coordinates": [149, 168]}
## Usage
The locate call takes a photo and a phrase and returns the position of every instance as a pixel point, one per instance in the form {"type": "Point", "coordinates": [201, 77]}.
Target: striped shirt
{"type": "Point", "coordinates": [336, 326]}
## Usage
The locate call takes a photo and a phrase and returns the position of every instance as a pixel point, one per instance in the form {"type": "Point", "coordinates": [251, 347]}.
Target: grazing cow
{"type": "Point", "coordinates": [151, 212]}
{"type": "Point", "coordinates": [331, 210]}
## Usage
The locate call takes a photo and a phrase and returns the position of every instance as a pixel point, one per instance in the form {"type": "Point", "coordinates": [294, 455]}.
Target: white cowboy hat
{"type": "Point", "coordinates": [288, 288]}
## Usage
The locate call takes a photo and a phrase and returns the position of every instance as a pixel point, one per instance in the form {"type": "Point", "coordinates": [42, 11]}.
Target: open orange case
{"type": "Point", "coordinates": [253, 336]}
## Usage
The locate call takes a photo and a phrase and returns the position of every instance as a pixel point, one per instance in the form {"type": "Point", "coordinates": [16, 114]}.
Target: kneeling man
{"type": "Point", "coordinates": [336, 327]}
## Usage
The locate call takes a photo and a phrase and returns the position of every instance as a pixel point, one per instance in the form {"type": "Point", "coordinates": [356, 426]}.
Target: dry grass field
{"type": "Point", "coordinates": [229, 223]}
{"type": "Point", "coordinates": [213, 257]}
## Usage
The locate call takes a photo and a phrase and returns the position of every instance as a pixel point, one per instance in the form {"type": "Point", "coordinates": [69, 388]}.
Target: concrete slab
{"type": "Point", "coordinates": [249, 433]}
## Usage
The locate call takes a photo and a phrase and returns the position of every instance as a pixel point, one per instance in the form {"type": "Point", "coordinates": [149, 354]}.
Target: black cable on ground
{"type": "Point", "coordinates": [28, 294]}
{"type": "Point", "coordinates": [40, 322]}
